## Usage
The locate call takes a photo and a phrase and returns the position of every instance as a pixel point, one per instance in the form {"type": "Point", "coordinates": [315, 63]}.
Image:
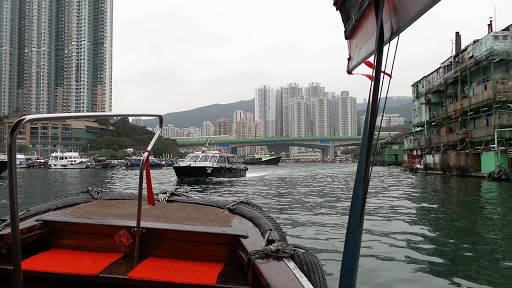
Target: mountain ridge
{"type": "Point", "coordinates": [195, 117]}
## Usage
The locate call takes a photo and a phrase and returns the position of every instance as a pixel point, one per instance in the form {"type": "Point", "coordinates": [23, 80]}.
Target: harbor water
{"type": "Point", "coordinates": [420, 230]}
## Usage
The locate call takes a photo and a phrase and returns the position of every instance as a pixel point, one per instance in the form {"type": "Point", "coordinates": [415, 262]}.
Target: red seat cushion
{"type": "Point", "coordinates": [177, 271]}
{"type": "Point", "coordinates": [70, 262]}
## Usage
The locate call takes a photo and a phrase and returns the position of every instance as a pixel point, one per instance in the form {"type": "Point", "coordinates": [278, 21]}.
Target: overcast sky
{"type": "Point", "coordinates": [172, 55]}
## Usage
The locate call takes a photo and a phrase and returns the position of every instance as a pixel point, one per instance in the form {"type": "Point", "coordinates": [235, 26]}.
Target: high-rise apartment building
{"type": "Point", "coordinates": [223, 126]}
{"type": "Point", "coordinates": [290, 93]}
{"type": "Point", "coordinates": [237, 116]}
{"type": "Point", "coordinates": [56, 56]}
{"type": "Point", "coordinates": [247, 128]}
{"type": "Point", "coordinates": [305, 111]}
{"type": "Point", "coordinates": [313, 90]}
{"type": "Point", "coordinates": [249, 117]}
{"type": "Point", "coordinates": [344, 115]}
{"type": "Point", "coordinates": [311, 94]}
{"type": "Point", "coordinates": [390, 120]}
{"type": "Point", "coordinates": [320, 115]}
{"type": "Point", "coordinates": [208, 129]}
{"type": "Point", "coordinates": [297, 110]}
{"type": "Point", "coordinates": [262, 109]}
{"type": "Point", "coordinates": [277, 112]}
{"type": "Point", "coordinates": [138, 121]}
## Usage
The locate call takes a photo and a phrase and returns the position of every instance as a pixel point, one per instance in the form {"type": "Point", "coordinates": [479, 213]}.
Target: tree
{"type": "Point", "coordinates": [3, 118]}
{"type": "Point", "coordinates": [103, 121]}
{"type": "Point", "coordinates": [126, 135]}
{"type": "Point", "coordinates": [22, 148]}
{"type": "Point", "coordinates": [354, 151]}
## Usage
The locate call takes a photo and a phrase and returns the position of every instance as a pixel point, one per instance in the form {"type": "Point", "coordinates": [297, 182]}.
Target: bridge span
{"type": "Point", "coordinates": [326, 144]}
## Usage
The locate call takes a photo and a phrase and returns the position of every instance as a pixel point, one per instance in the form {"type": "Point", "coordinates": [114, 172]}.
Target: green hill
{"type": "Point", "coordinates": [195, 117]}
{"type": "Point", "coordinates": [394, 105]}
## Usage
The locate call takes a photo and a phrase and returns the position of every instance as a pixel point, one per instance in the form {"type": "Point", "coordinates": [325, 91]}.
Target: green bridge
{"type": "Point", "coordinates": [326, 144]}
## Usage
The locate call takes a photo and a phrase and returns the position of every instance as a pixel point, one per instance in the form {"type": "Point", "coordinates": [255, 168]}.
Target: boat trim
{"type": "Point", "coordinates": [302, 278]}
{"type": "Point", "coordinates": [13, 180]}
{"type": "Point", "coordinates": [152, 225]}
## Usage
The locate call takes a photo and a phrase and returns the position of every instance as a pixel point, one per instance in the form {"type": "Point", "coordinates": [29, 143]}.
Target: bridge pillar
{"type": "Point", "coordinates": [323, 153]}
{"type": "Point", "coordinates": [332, 153]}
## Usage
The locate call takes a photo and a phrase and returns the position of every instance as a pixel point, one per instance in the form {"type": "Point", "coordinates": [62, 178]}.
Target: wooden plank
{"type": "Point", "coordinates": [28, 227]}
{"type": "Point", "coordinates": [198, 236]}
{"type": "Point", "coordinates": [124, 223]}
{"type": "Point", "coordinates": [27, 237]}
{"type": "Point", "coordinates": [87, 242]}
{"type": "Point", "coordinates": [188, 250]}
{"type": "Point", "coordinates": [193, 246]}
{"type": "Point", "coordinates": [170, 213]}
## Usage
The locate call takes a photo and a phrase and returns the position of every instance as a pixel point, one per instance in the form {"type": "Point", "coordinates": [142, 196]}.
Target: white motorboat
{"type": "Point", "coordinates": [67, 160]}
{"type": "Point", "coordinates": [21, 161]}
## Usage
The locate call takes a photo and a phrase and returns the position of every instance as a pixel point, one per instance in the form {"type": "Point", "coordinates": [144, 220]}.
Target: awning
{"type": "Point", "coordinates": [360, 26]}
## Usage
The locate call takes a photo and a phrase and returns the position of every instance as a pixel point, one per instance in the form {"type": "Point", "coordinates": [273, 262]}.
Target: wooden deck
{"type": "Point", "coordinates": [180, 231]}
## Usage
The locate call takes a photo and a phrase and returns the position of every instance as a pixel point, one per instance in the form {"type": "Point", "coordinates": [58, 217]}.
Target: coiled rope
{"type": "Point", "coordinates": [277, 249]}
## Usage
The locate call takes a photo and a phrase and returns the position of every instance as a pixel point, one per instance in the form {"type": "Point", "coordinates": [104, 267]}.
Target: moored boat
{"type": "Point", "coordinates": [21, 161]}
{"type": "Point", "coordinates": [67, 160]}
{"type": "Point", "coordinates": [134, 162]}
{"type": "Point", "coordinates": [102, 239]}
{"type": "Point", "coordinates": [262, 160]}
{"type": "Point", "coordinates": [3, 163]}
{"type": "Point", "coordinates": [209, 164]}
{"type": "Point", "coordinates": [168, 162]}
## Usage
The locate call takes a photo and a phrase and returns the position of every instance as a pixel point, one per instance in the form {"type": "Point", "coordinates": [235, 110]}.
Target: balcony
{"type": "Point", "coordinates": [463, 134]}
{"type": "Point", "coordinates": [482, 132]}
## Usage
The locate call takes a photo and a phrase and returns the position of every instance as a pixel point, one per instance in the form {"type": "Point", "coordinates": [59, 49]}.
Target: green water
{"type": "Point", "coordinates": [419, 231]}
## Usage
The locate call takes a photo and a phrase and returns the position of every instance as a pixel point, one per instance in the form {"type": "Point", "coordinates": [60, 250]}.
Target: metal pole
{"type": "Point", "coordinates": [352, 248]}
{"type": "Point", "coordinates": [13, 181]}
{"type": "Point", "coordinates": [145, 158]}
{"type": "Point", "coordinates": [13, 205]}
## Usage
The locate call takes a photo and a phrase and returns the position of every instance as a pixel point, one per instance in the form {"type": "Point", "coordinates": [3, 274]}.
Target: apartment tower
{"type": "Point", "coordinates": [344, 115]}
{"type": "Point", "coordinates": [56, 56]}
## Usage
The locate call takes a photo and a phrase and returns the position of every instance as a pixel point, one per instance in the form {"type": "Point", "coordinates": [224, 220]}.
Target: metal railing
{"type": "Point", "coordinates": [13, 181]}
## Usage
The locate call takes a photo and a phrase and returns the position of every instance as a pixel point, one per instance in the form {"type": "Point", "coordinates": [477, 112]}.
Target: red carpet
{"type": "Point", "coordinates": [177, 271]}
{"type": "Point", "coordinates": [70, 262]}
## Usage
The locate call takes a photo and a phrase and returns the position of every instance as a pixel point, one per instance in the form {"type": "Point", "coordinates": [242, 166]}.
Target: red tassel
{"type": "Point", "coordinates": [365, 75]}
{"type": "Point", "coordinates": [151, 197]}
{"type": "Point", "coordinates": [370, 65]}
{"type": "Point", "coordinates": [368, 76]}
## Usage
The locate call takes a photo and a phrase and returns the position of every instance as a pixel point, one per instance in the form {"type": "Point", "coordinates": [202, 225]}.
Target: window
{"type": "Point", "coordinates": [193, 158]}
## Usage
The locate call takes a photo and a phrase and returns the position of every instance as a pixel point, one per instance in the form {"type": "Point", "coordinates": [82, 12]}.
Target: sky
{"type": "Point", "coordinates": [171, 55]}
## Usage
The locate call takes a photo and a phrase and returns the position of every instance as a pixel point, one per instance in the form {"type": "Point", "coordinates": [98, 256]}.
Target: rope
{"type": "Point", "coordinates": [386, 97]}
{"type": "Point", "coordinates": [233, 204]}
{"type": "Point", "coordinates": [277, 249]}
{"type": "Point", "coordinates": [164, 197]}
{"type": "Point", "coordinates": [95, 192]}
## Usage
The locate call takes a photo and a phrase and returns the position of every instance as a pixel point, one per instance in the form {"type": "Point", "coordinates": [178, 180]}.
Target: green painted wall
{"type": "Point", "coordinates": [489, 161]}
{"type": "Point", "coordinates": [392, 153]}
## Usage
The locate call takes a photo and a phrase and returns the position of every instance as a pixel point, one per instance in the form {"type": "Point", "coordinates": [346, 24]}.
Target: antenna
{"type": "Point", "coordinates": [495, 22]}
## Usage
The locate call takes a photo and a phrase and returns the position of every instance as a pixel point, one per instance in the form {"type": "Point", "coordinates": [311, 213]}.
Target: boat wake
{"type": "Point", "coordinates": [256, 174]}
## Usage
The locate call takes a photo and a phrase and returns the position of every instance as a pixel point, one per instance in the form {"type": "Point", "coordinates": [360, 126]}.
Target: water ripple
{"type": "Point", "coordinates": [419, 231]}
